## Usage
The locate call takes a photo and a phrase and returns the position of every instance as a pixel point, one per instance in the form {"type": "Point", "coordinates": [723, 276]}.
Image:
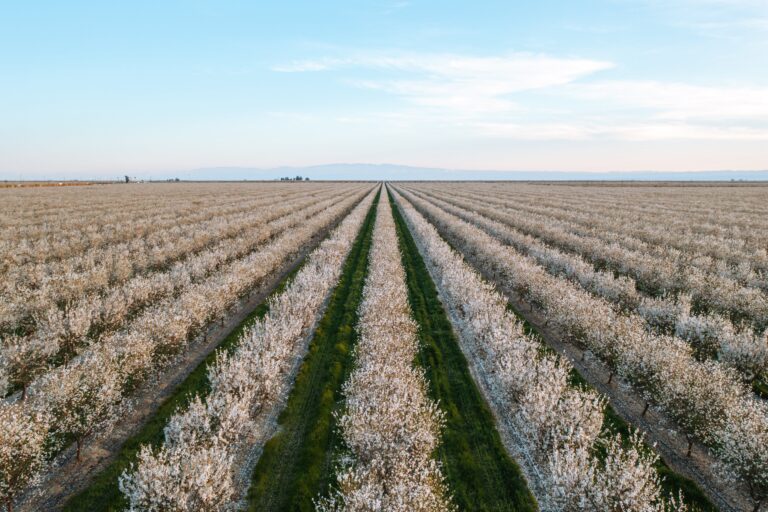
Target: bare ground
{"type": "Point", "coordinates": [69, 477]}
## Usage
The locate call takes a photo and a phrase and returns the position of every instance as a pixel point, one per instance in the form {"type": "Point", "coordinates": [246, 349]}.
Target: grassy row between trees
{"type": "Point", "coordinates": [673, 483]}
{"type": "Point", "coordinates": [297, 463]}
{"type": "Point", "coordinates": [103, 493]}
{"type": "Point", "coordinates": [479, 472]}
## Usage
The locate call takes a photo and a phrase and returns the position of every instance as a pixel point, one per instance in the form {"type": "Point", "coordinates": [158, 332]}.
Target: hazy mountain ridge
{"type": "Point", "coordinates": [403, 172]}
{"type": "Point", "coordinates": [390, 172]}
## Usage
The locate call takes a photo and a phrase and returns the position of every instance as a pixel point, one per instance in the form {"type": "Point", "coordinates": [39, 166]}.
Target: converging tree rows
{"type": "Point", "coordinates": [389, 427]}
{"type": "Point", "coordinates": [707, 402]}
{"type": "Point", "coordinates": [416, 346]}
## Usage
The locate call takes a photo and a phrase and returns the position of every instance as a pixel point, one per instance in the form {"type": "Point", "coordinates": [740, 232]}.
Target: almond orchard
{"type": "Point", "coordinates": [404, 346]}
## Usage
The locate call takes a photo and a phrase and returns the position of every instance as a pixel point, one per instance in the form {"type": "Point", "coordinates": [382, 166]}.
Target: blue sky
{"type": "Point", "coordinates": [90, 89]}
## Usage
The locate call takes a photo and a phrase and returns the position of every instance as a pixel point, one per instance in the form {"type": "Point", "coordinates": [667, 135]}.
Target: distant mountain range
{"type": "Point", "coordinates": [403, 172]}
{"type": "Point", "coordinates": [391, 172]}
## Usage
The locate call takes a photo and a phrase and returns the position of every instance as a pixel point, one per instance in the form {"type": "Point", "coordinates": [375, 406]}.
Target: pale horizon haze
{"type": "Point", "coordinates": [99, 89]}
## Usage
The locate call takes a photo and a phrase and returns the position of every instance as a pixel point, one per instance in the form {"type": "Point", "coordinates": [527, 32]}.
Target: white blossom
{"type": "Point", "coordinates": [196, 467]}
{"type": "Point", "coordinates": [557, 426]}
{"type": "Point", "coordinates": [390, 426]}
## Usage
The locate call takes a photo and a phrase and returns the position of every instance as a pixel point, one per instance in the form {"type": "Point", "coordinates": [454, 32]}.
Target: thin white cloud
{"type": "Point", "coordinates": [483, 96]}
{"type": "Point", "coordinates": [301, 66]}
{"type": "Point", "coordinates": [525, 70]}
{"type": "Point", "coordinates": [395, 6]}
{"type": "Point", "coordinates": [729, 3]}
{"type": "Point", "coordinates": [472, 84]}
{"type": "Point", "coordinates": [736, 5]}
{"type": "Point", "coordinates": [535, 131]}
{"type": "Point", "coordinates": [719, 18]}
{"type": "Point", "coordinates": [751, 23]}
{"type": "Point", "coordinates": [638, 131]}
{"type": "Point", "coordinates": [659, 131]}
{"type": "Point", "coordinates": [678, 101]}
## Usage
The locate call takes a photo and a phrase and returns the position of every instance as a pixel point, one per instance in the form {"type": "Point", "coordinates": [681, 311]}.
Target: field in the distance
{"type": "Point", "coordinates": [400, 346]}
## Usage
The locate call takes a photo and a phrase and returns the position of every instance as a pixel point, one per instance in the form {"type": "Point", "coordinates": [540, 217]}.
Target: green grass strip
{"type": "Point", "coordinates": [297, 463]}
{"type": "Point", "coordinates": [760, 387]}
{"type": "Point", "coordinates": [673, 483]}
{"type": "Point", "coordinates": [103, 493]}
{"type": "Point", "coordinates": [479, 472]}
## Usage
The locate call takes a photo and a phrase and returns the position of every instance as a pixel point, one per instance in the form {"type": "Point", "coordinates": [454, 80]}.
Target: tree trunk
{"type": "Point", "coordinates": [690, 447]}
{"type": "Point", "coordinates": [9, 504]}
{"type": "Point", "coordinates": [610, 378]}
{"type": "Point", "coordinates": [23, 391]}
{"type": "Point", "coordinates": [645, 409]}
{"type": "Point", "coordinates": [69, 346]}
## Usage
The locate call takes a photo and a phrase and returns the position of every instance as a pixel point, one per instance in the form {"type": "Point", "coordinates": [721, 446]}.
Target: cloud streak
{"type": "Point", "coordinates": [678, 101]}
{"type": "Point", "coordinates": [463, 83]}
{"type": "Point", "coordinates": [638, 131]}
{"type": "Point", "coordinates": [523, 96]}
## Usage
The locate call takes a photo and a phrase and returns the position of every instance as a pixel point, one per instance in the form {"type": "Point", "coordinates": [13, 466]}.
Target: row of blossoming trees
{"type": "Point", "coordinates": [552, 427]}
{"type": "Point", "coordinates": [199, 466]}
{"type": "Point", "coordinates": [712, 335]}
{"type": "Point", "coordinates": [603, 235]}
{"type": "Point", "coordinates": [390, 426]}
{"type": "Point", "coordinates": [87, 393]}
{"type": "Point", "coordinates": [108, 246]}
{"type": "Point", "coordinates": [706, 399]}
{"type": "Point", "coordinates": [90, 326]}
{"type": "Point", "coordinates": [714, 229]}
{"type": "Point", "coordinates": [62, 328]}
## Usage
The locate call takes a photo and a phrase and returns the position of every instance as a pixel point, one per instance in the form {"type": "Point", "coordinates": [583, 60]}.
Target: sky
{"type": "Point", "coordinates": [98, 89]}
